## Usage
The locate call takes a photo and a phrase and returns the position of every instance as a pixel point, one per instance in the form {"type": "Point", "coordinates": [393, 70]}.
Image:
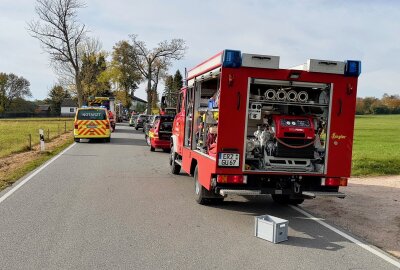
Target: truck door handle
{"type": "Point", "coordinates": [238, 101]}
{"type": "Point", "coordinates": [340, 107]}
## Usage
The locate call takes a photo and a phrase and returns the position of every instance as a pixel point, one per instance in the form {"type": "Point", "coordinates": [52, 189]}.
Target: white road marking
{"type": "Point", "coordinates": [350, 238]}
{"type": "Point", "coordinates": [23, 182]}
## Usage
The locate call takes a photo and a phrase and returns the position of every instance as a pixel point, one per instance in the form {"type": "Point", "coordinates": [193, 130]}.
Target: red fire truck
{"type": "Point", "coordinates": [245, 126]}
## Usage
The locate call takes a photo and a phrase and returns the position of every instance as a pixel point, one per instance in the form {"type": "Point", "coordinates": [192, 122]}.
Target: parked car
{"type": "Point", "coordinates": [147, 126]}
{"type": "Point", "coordinates": [132, 120]}
{"type": "Point", "coordinates": [140, 121]}
{"type": "Point", "coordinates": [160, 133]}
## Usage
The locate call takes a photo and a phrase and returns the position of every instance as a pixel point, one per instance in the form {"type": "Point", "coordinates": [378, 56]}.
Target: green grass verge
{"type": "Point", "coordinates": [14, 133]}
{"type": "Point", "coordinates": [376, 149]}
{"type": "Point", "coordinates": [33, 164]}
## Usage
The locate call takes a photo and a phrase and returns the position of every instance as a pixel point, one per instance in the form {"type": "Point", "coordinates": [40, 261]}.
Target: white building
{"type": "Point", "coordinates": [135, 102]}
{"type": "Point", "coordinates": [68, 107]}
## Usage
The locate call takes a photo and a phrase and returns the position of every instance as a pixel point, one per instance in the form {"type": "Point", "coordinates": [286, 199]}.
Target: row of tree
{"type": "Point", "coordinates": [12, 88]}
{"type": "Point", "coordinates": [83, 67]}
{"type": "Point", "coordinates": [388, 104]}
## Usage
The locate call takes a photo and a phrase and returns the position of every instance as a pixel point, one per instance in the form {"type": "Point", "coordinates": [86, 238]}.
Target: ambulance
{"type": "Point", "coordinates": [92, 123]}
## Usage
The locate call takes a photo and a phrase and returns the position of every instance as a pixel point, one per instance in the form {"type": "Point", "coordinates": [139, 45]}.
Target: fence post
{"type": "Point", "coordinates": [30, 142]}
{"type": "Point", "coordinates": [65, 126]}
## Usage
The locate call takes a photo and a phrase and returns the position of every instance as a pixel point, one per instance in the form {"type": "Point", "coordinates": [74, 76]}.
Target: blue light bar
{"type": "Point", "coordinates": [353, 68]}
{"type": "Point", "coordinates": [232, 59]}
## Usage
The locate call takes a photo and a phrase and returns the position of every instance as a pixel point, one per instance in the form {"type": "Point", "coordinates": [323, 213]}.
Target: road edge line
{"type": "Point", "coordinates": [367, 247]}
{"type": "Point", "coordinates": [38, 170]}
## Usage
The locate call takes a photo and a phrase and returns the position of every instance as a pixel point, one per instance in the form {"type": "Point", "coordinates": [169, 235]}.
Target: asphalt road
{"type": "Point", "coordinates": [116, 206]}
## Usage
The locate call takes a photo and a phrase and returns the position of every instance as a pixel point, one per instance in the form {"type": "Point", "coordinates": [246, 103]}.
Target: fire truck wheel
{"type": "Point", "coordinates": [199, 190]}
{"type": "Point", "coordinates": [296, 201]}
{"type": "Point", "coordinates": [281, 199]}
{"type": "Point", "coordinates": [136, 128]}
{"type": "Point", "coordinates": [152, 149]}
{"type": "Point", "coordinates": [175, 168]}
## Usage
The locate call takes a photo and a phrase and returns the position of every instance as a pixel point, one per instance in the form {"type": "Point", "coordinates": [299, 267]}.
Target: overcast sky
{"type": "Point", "coordinates": [294, 30]}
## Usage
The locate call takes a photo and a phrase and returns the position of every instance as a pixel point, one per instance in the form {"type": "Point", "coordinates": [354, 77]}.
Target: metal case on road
{"type": "Point", "coordinates": [271, 228]}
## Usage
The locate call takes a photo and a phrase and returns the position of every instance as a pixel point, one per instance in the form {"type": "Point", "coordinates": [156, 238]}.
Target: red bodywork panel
{"type": "Point", "coordinates": [234, 83]}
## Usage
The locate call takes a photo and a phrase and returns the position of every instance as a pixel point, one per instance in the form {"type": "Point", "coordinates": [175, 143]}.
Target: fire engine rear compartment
{"type": "Point", "coordinates": [286, 126]}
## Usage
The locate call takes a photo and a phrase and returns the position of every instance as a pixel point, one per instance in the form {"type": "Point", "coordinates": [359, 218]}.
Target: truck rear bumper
{"type": "Point", "coordinates": [254, 192]}
{"type": "Point", "coordinates": [160, 144]}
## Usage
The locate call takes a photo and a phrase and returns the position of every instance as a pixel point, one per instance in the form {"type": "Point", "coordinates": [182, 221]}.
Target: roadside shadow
{"type": "Point", "coordinates": [304, 232]}
{"type": "Point", "coordinates": [128, 141]}
{"type": "Point", "coordinates": [123, 131]}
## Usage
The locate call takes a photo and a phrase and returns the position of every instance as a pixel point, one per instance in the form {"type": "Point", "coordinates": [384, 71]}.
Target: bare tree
{"type": "Point", "coordinates": [152, 63]}
{"type": "Point", "coordinates": [61, 35]}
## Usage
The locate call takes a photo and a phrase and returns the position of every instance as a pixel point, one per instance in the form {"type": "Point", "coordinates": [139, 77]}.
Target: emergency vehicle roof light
{"type": "Point", "coordinates": [231, 58]}
{"type": "Point", "coordinates": [353, 68]}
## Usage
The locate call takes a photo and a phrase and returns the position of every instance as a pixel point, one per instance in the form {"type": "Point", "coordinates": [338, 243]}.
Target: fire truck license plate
{"type": "Point", "coordinates": [228, 160]}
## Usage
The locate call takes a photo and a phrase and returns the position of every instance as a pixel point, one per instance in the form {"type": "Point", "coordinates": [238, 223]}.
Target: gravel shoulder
{"type": "Point", "coordinates": [371, 210]}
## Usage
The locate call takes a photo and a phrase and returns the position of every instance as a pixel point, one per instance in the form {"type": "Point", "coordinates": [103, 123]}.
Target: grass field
{"type": "Point", "coordinates": [14, 133]}
{"type": "Point", "coordinates": [376, 149]}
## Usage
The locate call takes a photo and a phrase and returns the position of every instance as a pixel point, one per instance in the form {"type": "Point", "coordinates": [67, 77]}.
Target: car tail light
{"type": "Point", "coordinates": [107, 125]}
{"type": "Point", "coordinates": [76, 126]}
{"type": "Point", "coordinates": [343, 182]}
{"type": "Point", "coordinates": [331, 181]}
{"type": "Point", "coordinates": [232, 179]}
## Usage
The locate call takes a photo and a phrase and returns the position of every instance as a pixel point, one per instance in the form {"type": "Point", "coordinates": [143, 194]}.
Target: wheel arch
{"type": "Point", "coordinates": [193, 166]}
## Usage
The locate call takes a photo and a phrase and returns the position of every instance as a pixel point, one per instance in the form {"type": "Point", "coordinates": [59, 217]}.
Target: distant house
{"type": "Point", "coordinates": [43, 110]}
{"type": "Point", "coordinates": [68, 107]}
{"type": "Point", "coordinates": [137, 104]}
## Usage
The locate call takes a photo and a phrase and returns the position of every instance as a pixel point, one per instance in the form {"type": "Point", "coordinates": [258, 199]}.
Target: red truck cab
{"type": "Point", "coordinates": [245, 126]}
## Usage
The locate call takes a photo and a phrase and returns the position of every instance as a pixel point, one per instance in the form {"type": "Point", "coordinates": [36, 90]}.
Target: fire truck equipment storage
{"type": "Point", "coordinates": [246, 126]}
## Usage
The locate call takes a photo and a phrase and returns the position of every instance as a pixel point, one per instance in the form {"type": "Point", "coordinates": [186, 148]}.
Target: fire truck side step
{"type": "Point", "coordinates": [225, 192]}
{"type": "Point", "coordinates": [314, 194]}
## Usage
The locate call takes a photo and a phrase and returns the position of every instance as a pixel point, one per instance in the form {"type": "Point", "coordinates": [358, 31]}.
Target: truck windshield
{"type": "Point", "coordinates": [92, 115]}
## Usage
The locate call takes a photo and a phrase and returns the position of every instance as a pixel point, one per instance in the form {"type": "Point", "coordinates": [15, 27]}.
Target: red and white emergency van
{"type": "Point", "coordinates": [246, 126]}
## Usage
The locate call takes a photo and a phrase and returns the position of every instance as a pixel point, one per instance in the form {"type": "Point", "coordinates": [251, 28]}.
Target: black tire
{"type": "Point", "coordinates": [136, 128]}
{"type": "Point", "coordinates": [216, 200]}
{"type": "Point", "coordinates": [108, 139]}
{"type": "Point", "coordinates": [199, 190]}
{"type": "Point", "coordinates": [296, 201]}
{"type": "Point", "coordinates": [77, 140]}
{"type": "Point", "coordinates": [280, 198]}
{"type": "Point", "coordinates": [152, 149]}
{"type": "Point", "coordinates": [167, 150]}
{"type": "Point", "coordinates": [175, 168]}
{"type": "Point", "coordinates": [285, 199]}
